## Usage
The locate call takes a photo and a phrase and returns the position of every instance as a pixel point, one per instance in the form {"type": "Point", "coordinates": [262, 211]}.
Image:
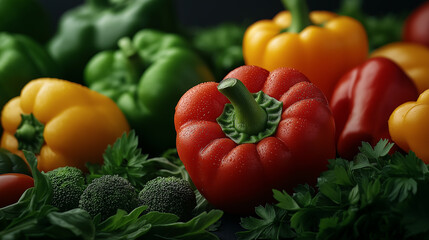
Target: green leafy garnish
{"type": "Point", "coordinates": [375, 196]}
{"type": "Point", "coordinates": [32, 217]}
{"type": "Point", "coordinates": [272, 225]}
{"type": "Point", "coordinates": [126, 160]}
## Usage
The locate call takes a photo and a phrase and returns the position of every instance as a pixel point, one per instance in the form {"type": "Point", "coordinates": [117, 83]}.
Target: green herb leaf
{"type": "Point", "coordinates": [125, 159]}
{"type": "Point", "coordinates": [399, 188]}
{"type": "Point", "coordinates": [303, 195]}
{"type": "Point", "coordinates": [76, 222]}
{"type": "Point", "coordinates": [381, 149]}
{"type": "Point", "coordinates": [202, 204]}
{"type": "Point", "coordinates": [196, 228]}
{"type": "Point", "coordinates": [31, 203]}
{"type": "Point", "coordinates": [375, 196]}
{"type": "Point", "coordinates": [409, 165]}
{"type": "Point", "coordinates": [354, 196]}
{"type": "Point", "coordinates": [331, 191]}
{"type": "Point", "coordinates": [42, 185]}
{"type": "Point", "coordinates": [123, 225]}
{"type": "Point", "coordinates": [340, 172]}
{"type": "Point", "coordinates": [120, 219]}
{"type": "Point", "coordinates": [285, 201]}
{"type": "Point", "coordinates": [272, 224]}
{"type": "Point", "coordinates": [32, 216]}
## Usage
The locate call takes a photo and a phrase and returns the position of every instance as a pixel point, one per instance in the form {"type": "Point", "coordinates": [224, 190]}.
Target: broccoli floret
{"type": "Point", "coordinates": [68, 184]}
{"type": "Point", "coordinates": [169, 195]}
{"type": "Point", "coordinates": [107, 194]}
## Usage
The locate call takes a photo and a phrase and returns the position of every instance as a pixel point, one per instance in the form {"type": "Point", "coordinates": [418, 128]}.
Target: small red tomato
{"type": "Point", "coordinates": [12, 186]}
{"type": "Point", "coordinates": [416, 27]}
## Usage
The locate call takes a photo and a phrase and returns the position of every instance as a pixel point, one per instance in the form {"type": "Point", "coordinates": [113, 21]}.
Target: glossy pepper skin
{"type": "Point", "coordinates": [413, 58]}
{"type": "Point", "coordinates": [25, 17]}
{"type": "Point", "coordinates": [97, 25]}
{"type": "Point", "coordinates": [21, 60]}
{"type": "Point", "coordinates": [146, 78]}
{"type": "Point", "coordinates": [416, 26]}
{"type": "Point", "coordinates": [363, 100]}
{"type": "Point", "coordinates": [235, 176]}
{"type": "Point", "coordinates": [408, 126]}
{"type": "Point", "coordinates": [64, 123]}
{"type": "Point", "coordinates": [321, 44]}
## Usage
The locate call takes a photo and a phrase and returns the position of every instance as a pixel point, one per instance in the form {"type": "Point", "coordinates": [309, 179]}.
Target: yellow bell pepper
{"type": "Point", "coordinates": [64, 123]}
{"type": "Point", "coordinates": [413, 58]}
{"type": "Point", "coordinates": [320, 44]}
{"type": "Point", "coordinates": [409, 128]}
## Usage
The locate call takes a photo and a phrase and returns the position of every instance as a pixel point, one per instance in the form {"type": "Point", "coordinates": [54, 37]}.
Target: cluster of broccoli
{"type": "Point", "coordinates": [105, 195]}
{"type": "Point", "coordinates": [68, 184]}
{"type": "Point", "coordinates": [170, 195]}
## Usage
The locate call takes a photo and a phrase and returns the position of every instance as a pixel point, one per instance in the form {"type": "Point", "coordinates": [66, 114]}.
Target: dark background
{"type": "Point", "coordinates": [206, 13]}
{"type": "Point", "coordinates": [198, 13]}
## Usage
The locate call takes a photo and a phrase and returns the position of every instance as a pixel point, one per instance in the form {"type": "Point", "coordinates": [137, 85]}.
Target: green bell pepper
{"type": "Point", "coordinates": [12, 163]}
{"type": "Point", "coordinates": [97, 25]}
{"type": "Point", "coordinates": [146, 78]}
{"type": "Point", "coordinates": [26, 17]}
{"type": "Point", "coordinates": [21, 60]}
{"type": "Point", "coordinates": [220, 46]}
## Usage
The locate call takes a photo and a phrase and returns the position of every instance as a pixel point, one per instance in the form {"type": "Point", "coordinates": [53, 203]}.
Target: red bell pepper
{"type": "Point", "coordinates": [278, 137]}
{"type": "Point", "coordinates": [416, 26]}
{"type": "Point", "coordinates": [363, 100]}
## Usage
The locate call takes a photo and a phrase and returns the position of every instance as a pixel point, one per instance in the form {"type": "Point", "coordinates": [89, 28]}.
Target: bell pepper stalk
{"type": "Point", "coordinates": [146, 77]}
{"type": "Point", "coordinates": [408, 126]}
{"type": "Point", "coordinates": [320, 44]}
{"type": "Point", "coordinates": [64, 123]}
{"type": "Point", "coordinates": [253, 132]}
{"type": "Point", "coordinates": [248, 118]}
{"type": "Point", "coordinates": [30, 134]}
{"type": "Point", "coordinates": [416, 26]}
{"type": "Point", "coordinates": [413, 58]}
{"type": "Point", "coordinates": [363, 100]}
{"type": "Point", "coordinates": [97, 25]}
{"type": "Point", "coordinates": [300, 15]}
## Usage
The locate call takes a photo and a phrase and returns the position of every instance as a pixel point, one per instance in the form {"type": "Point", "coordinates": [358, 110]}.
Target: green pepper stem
{"type": "Point", "coordinates": [250, 118]}
{"type": "Point", "coordinates": [127, 47]}
{"type": "Point", "coordinates": [30, 134]}
{"type": "Point", "coordinates": [26, 132]}
{"type": "Point", "coordinates": [300, 15]}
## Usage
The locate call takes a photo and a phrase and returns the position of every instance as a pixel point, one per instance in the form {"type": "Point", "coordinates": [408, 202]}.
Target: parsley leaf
{"type": "Point", "coordinates": [125, 159]}
{"type": "Point", "coordinates": [375, 196]}
{"type": "Point", "coordinates": [272, 224]}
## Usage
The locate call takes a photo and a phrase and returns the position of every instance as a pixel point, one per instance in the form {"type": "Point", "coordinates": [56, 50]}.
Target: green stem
{"type": "Point", "coordinates": [127, 47]}
{"type": "Point", "coordinates": [26, 132]}
{"type": "Point", "coordinates": [250, 118]}
{"type": "Point", "coordinates": [300, 15]}
{"type": "Point", "coordinates": [30, 134]}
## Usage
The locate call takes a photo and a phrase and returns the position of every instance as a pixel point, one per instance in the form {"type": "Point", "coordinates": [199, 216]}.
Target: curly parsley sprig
{"type": "Point", "coordinates": [375, 196]}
